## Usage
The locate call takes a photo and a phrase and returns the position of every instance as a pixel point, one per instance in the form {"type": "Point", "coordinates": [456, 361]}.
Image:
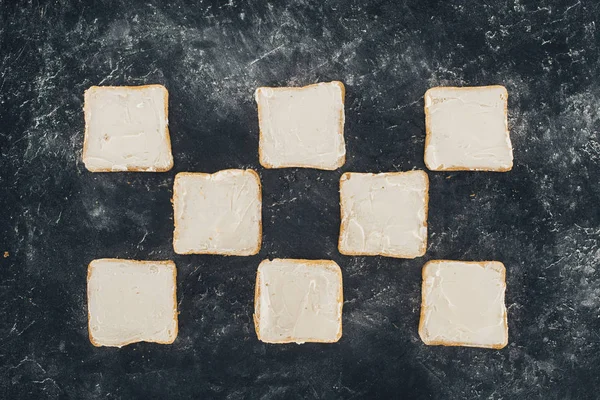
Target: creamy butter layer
{"type": "Point", "coordinates": [302, 127]}
{"type": "Point", "coordinates": [298, 301]}
{"type": "Point", "coordinates": [384, 214]}
{"type": "Point", "coordinates": [131, 301]}
{"type": "Point", "coordinates": [463, 304]}
{"type": "Point", "coordinates": [467, 129]}
{"type": "Point", "coordinates": [127, 129]}
{"type": "Point", "coordinates": [217, 213]}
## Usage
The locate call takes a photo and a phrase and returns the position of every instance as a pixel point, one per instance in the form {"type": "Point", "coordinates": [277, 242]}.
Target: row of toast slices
{"type": "Point", "coordinates": [466, 128]}
{"type": "Point", "coordinates": [296, 301]}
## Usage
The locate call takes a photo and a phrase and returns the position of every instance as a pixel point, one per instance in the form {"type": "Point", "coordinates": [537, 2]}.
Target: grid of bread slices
{"type": "Point", "coordinates": [298, 300]}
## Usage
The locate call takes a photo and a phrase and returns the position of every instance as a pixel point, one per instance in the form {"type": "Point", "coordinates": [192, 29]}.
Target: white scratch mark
{"type": "Point", "coordinates": [408, 105]}
{"type": "Point", "coordinates": [144, 238]}
{"type": "Point", "coordinates": [266, 54]}
{"type": "Point", "coordinates": [570, 7]}
{"type": "Point", "coordinates": [279, 203]}
{"type": "Point", "coordinates": [59, 216]}
{"type": "Point", "coordinates": [27, 359]}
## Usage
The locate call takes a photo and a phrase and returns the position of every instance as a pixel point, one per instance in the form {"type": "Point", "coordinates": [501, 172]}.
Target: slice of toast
{"type": "Point", "coordinates": [463, 304]}
{"type": "Point", "coordinates": [302, 127]}
{"type": "Point", "coordinates": [126, 129]}
{"type": "Point", "coordinates": [384, 214]}
{"type": "Point", "coordinates": [217, 213]}
{"type": "Point", "coordinates": [467, 129]}
{"type": "Point", "coordinates": [298, 301]}
{"type": "Point", "coordinates": [131, 301]}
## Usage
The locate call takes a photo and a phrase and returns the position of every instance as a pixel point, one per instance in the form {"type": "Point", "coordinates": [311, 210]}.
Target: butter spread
{"type": "Point", "coordinates": [298, 301]}
{"type": "Point", "coordinates": [384, 214]}
{"type": "Point", "coordinates": [467, 129]}
{"type": "Point", "coordinates": [126, 129]}
{"type": "Point", "coordinates": [131, 301]}
{"type": "Point", "coordinates": [463, 304]}
{"type": "Point", "coordinates": [302, 127]}
{"type": "Point", "coordinates": [217, 213]}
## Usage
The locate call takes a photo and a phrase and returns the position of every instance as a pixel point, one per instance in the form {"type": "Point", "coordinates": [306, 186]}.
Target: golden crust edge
{"type": "Point", "coordinates": [261, 158]}
{"type": "Point", "coordinates": [496, 346]}
{"type": "Point", "coordinates": [256, 315]}
{"type": "Point", "coordinates": [330, 265]}
{"type": "Point", "coordinates": [128, 169]}
{"type": "Point", "coordinates": [251, 252]}
{"type": "Point", "coordinates": [428, 129]}
{"type": "Point", "coordinates": [344, 224]}
{"type": "Point", "coordinates": [139, 262]}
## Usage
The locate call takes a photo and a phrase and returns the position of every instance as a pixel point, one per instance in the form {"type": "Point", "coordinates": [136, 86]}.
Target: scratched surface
{"type": "Point", "coordinates": [542, 219]}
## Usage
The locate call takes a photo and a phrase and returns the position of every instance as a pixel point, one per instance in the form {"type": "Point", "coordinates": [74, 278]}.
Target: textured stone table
{"type": "Point", "coordinates": [542, 219]}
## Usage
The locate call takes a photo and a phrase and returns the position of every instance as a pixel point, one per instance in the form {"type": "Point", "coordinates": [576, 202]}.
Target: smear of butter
{"type": "Point", "coordinates": [463, 304]}
{"type": "Point", "coordinates": [302, 127]}
{"type": "Point", "coordinates": [217, 213]}
{"type": "Point", "coordinates": [467, 129]}
{"type": "Point", "coordinates": [298, 301]}
{"type": "Point", "coordinates": [384, 214]}
{"type": "Point", "coordinates": [131, 301]}
{"type": "Point", "coordinates": [127, 129]}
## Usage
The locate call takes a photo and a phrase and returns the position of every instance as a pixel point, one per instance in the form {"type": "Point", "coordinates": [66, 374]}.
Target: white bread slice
{"type": "Point", "coordinates": [384, 214]}
{"type": "Point", "coordinates": [298, 301]}
{"type": "Point", "coordinates": [302, 127]}
{"type": "Point", "coordinates": [131, 301]}
{"type": "Point", "coordinates": [463, 304]}
{"type": "Point", "coordinates": [467, 129]}
{"type": "Point", "coordinates": [217, 213]}
{"type": "Point", "coordinates": [126, 129]}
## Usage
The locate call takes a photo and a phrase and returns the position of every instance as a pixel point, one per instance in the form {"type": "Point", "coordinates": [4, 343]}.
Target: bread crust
{"type": "Point", "coordinates": [424, 308]}
{"type": "Point", "coordinates": [86, 112]}
{"type": "Point", "coordinates": [252, 252]}
{"type": "Point", "coordinates": [145, 262]}
{"type": "Point", "coordinates": [261, 157]}
{"type": "Point", "coordinates": [344, 221]}
{"type": "Point", "coordinates": [311, 263]}
{"type": "Point", "coordinates": [428, 126]}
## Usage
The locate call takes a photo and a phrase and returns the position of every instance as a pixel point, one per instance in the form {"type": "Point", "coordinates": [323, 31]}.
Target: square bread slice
{"type": "Point", "coordinates": [298, 301]}
{"type": "Point", "coordinates": [302, 127]}
{"type": "Point", "coordinates": [467, 129]}
{"type": "Point", "coordinates": [131, 301]}
{"type": "Point", "coordinates": [463, 304]}
{"type": "Point", "coordinates": [384, 214]}
{"type": "Point", "coordinates": [217, 213]}
{"type": "Point", "coordinates": [126, 129]}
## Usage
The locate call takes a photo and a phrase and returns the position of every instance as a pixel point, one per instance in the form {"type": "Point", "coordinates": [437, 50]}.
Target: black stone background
{"type": "Point", "coordinates": [541, 219]}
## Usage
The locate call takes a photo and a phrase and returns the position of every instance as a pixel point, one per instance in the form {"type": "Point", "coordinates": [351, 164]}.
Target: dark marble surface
{"type": "Point", "coordinates": [542, 219]}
